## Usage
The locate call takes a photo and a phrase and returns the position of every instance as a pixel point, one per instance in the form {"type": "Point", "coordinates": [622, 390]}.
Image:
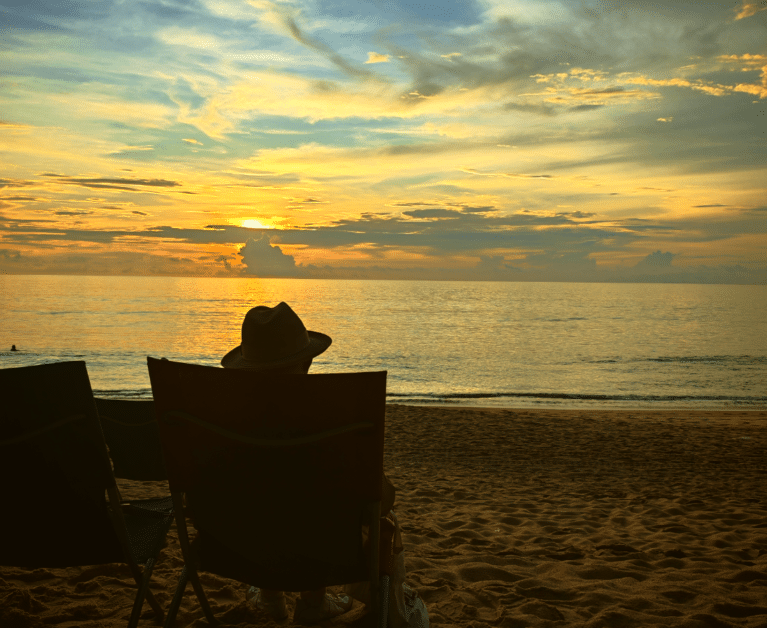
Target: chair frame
{"type": "Point", "coordinates": [190, 573]}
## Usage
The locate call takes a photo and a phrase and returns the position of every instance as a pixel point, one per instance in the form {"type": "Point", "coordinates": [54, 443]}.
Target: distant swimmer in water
{"type": "Point", "coordinates": [13, 348]}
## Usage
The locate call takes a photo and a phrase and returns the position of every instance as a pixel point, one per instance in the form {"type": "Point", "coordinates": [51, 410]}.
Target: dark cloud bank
{"type": "Point", "coordinates": [454, 242]}
{"type": "Point", "coordinates": [263, 259]}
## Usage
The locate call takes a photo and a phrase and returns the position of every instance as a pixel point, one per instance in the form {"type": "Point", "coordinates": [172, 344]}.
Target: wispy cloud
{"type": "Point", "coordinates": [750, 8]}
{"type": "Point", "coordinates": [498, 138]}
{"type": "Point", "coordinates": [375, 57]}
{"type": "Point", "coordinates": [122, 183]}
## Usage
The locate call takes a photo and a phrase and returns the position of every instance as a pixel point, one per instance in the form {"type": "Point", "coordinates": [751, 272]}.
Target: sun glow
{"type": "Point", "coordinates": [252, 223]}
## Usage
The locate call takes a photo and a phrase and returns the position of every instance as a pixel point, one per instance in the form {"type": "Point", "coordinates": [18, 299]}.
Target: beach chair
{"type": "Point", "coordinates": [54, 473]}
{"type": "Point", "coordinates": [279, 472]}
{"type": "Point", "coordinates": [131, 435]}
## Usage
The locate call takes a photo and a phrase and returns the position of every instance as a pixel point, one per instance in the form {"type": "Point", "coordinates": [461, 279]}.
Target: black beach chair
{"type": "Point", "coordinates": [133, 441]}
{"type": "Point", "coordinates": [279, 473]}
{"type": "Point", "coordinates": [131, 434]}
{"type": "Point", "coordinates": [54, 472]}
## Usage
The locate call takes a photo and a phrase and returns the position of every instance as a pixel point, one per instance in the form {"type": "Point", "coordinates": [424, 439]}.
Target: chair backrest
{"type": "Point", "coordinates": [131, 434]}
{"type": "Point", "coordinates": [273, 466]}
{"type": "Point", "coordinates": [54, 469]}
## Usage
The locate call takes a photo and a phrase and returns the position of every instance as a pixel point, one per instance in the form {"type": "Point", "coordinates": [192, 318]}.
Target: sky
{"type": "Point", "coordinates": [520, 140]}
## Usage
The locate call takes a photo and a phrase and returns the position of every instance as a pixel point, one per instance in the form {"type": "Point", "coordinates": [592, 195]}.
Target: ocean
{"type": "Point", "coordinates": [502, 344]}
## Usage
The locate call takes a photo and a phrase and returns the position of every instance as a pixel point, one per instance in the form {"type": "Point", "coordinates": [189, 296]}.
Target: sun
{"type": "Point", "coordinates": [252, 223]}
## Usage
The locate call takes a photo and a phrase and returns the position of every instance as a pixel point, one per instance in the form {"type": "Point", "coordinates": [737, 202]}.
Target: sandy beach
{"type": "Point", "coordinates": [515, 518]}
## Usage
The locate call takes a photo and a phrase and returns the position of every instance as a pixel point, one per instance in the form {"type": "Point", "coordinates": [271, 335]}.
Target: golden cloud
{"type": "Point", "coordinates": [375, 57]}
{"type": "Point", "coordinates": [271, 93]}
{"type": "Point", "coordinates": [750, 8]}
{"type": "Point", "coordinates": [756, 90]}
{"type": "Point", "coordinates": [13, 126]}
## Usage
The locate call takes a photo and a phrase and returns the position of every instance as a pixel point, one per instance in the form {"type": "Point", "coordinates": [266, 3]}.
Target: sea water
{"type": "Point", "coordinates": [565, 345]}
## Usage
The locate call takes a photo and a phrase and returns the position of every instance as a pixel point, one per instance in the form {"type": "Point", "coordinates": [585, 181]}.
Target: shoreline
{"type": "Point", "coordinates": [600, 409]}
{"type": "Point", "coordinates": [447, 406]}
{"type": "Point", "coordinates": [518, 517]}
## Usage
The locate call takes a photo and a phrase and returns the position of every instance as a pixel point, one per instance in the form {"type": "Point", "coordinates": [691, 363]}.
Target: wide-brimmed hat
{"type": "Point", "coordinates": [274, 337]}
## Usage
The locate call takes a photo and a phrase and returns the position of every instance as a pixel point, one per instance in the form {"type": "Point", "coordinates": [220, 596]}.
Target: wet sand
{"type": "Point", "coordinates": [515, 518]}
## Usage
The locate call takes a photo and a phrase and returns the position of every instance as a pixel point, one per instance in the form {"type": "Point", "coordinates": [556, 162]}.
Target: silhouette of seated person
{"type": "Point", "coordinates": [275, 341]}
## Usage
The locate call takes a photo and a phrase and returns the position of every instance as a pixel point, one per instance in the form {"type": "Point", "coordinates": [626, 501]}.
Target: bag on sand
{"type": "Point", "coordinates": [405, 608]}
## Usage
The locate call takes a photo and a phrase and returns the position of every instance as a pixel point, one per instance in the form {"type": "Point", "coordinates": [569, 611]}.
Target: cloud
{"type": "Point", "coordinates": [537, 108]}
{"type": "Point", "coordinates": [79, 105]}
{"type": "Point", "coordinates": [120, 183]}
{"type": "Point", "coordinates": [19, 198]}
{"type": "Point", "coordinates": [432, 213]}
{"type": "Point", "coordinates": [537, 248]}
{"type": "Point", "coordinates": [564, 260]}
{"type": "Point", "coordinates": [189, 37]}
{"type": "Point", "coordinates": [13, 126]}
{"type": "Point", "coordinates": [491, 267]}
{"type": "Point", "coordinates": [375, 57]}
{"type": "Point", "coordinates": [586, 107]}
{"type": "Point", "coordinates": [466, 80]}
{"type": "Point", "coordinates": [10, 254]}
{"type": "Point", "coordinates": [441, 80]}
{"type": "Point", "coordinates": [15, 183]}
{"type": "Point", "coordinates": [327, 51]}
{"type": "Point", "coordinates": [577, 214]}
{"type": "Point", "coordinates": [264, 260]}
{"type": "Point", "coordinates": [226, 260]}
{"type": "Point", "coordinates": [309, 200]}
{"type": "Point", "coordinates": [656, 260]}
{"type": "Point", "coordinates": [77, 212]}
{"type": "Point", "coordinates": [437, 232]}
{"type": "Point", "coordinates": [461, 149]}
{"type": "Point", "coordinates": [509, 175]}
{"type": "Point", "coordinates": [588, 42]}
{"type": "Point", "coordinates": [111, 262]}
{"type": "Point", "coordinates": [750, 8]}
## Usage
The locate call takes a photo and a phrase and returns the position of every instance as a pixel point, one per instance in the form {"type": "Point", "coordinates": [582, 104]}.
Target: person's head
{"type": "Point", "coordinates": [275, 340]}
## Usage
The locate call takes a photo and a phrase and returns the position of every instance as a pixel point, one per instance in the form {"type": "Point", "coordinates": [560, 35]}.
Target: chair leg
{"type": "Point", "coordinates": [373, 558]}
{"type": "Point", "coordinates": [202, 598]}
{"type": "Point", "coordinates": [190, 561]}
{"type": "Point", "coordinates": [383, 602]}
{"type": "Point", "coordinates": [142, 580]}
{"type": "Point", "coordinates": [159, 614]}
{"type": "Point", "coordinates": [175, 603]}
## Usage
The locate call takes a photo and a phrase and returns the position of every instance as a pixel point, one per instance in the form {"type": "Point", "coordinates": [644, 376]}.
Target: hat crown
{"type": "Point", "coordinates": [272, 334]}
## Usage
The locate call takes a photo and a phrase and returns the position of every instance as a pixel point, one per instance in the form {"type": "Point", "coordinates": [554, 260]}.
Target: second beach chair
{"type": "Point", "coordinates": [61, 503]}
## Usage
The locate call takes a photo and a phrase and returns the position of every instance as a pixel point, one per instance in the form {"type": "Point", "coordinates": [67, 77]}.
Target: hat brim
{"type": "Point", "coordinates": [318, 343]}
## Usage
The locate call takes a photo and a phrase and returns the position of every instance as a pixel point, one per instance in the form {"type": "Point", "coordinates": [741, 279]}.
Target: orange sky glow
{"type": "Point", "coordinates": [492, 140]}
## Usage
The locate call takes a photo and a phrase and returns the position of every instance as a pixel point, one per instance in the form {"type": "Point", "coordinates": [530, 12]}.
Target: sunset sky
{"type": "Point", "coordinates": [488, 139]}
